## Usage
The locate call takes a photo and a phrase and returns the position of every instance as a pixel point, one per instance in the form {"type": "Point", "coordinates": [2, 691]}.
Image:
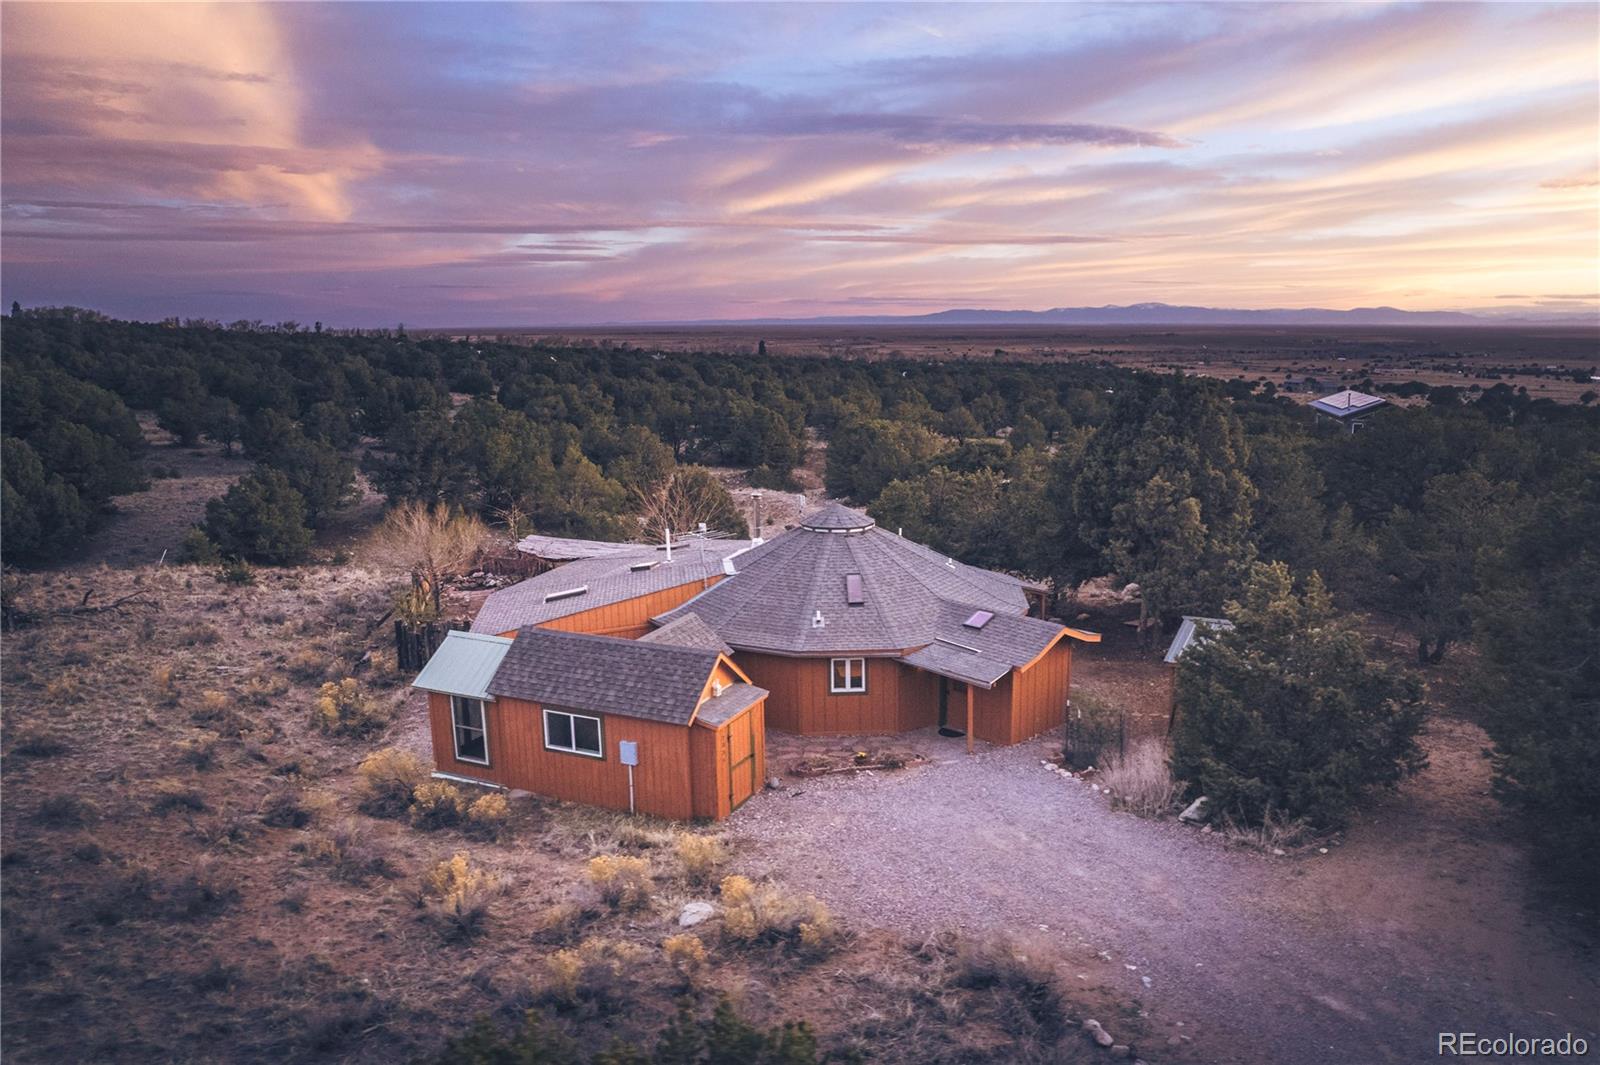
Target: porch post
{"type": "Point", "coordinates": [969, 717]}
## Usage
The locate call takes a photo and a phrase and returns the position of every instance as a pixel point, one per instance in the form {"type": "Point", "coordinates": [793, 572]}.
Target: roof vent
{"type": "Point", "coordinates": [567, 593]}
{"type": "Point", "coordinates": [727, 568]}
{"type": "Point", "coordinates": [979, 619]}
{"type": "Point", "coordinates": [640, 567]}
{"type": "Point", "coordinates": [716, 688]}
{"type": "Point", "coordinates": [950, 562]}
{"type": "Point", "coordinates": [817, 620]}
{"type": "Point", "coordinates": [853, 594]}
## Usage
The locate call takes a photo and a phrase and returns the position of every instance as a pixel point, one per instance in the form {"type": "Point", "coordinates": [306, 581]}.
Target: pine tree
{"type": "Point", "coordinates": [1286, 715]}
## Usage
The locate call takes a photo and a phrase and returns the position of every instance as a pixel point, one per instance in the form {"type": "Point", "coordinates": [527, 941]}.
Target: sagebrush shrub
{"type": "Point", "coordinates": [343, 708]}
{"type": "Point", "coordinates": [623, 882]}
{"type": "Point", "coordinates": [437, 804]}
{"type": "Point", "coordinates": [686, 955]}
{"type": "Point", "coordinates": [698, 856]}
{"type": "Point", "coordinates": [765, 913]}
{"type": "Point", "coordinates": [458, 895]}
{"type": "Point", "coordinates": [601, 972]}
{"type": "Point", "coordinates": [163, 683]}
{"type": "Point", "coordinates": [386, 781]}
{"type": "Point", "coordinates": [348, 854]}
{"type": "Point", "coordinates": [488, 815]}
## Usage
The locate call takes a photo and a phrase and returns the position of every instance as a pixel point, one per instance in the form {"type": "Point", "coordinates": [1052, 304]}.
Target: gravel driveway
{"type": "Point", "coordinates": [1362, 955]}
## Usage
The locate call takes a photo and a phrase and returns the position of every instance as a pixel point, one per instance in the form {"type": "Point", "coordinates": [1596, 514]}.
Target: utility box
{"type": "Point", "coordinates": [628, 752]}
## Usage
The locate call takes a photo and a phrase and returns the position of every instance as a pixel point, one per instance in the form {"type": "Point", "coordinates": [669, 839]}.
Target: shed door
{"type": "Point", "coordinates": [741, 759]}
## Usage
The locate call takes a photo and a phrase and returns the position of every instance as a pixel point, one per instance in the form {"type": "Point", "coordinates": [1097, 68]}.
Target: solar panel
{"type": "Point", "coordinates": [852, 589]}
{"type": "Point", "coordinates": [979, 619]}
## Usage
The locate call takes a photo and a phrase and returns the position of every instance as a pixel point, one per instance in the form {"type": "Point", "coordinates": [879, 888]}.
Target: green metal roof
{"type": "Point", "coordinates": [463, 665]}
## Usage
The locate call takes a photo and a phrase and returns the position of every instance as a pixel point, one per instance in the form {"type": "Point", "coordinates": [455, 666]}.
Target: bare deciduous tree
{"type": "Point", "coordinates": [436, 543]}
{"type": "Point", "coordinates": [691, 495]}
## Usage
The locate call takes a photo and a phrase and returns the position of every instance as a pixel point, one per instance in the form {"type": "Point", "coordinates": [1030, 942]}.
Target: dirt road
{"type": "Point", "coordinates": [1419, 922]}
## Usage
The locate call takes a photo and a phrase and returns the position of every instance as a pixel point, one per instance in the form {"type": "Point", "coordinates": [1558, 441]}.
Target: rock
{"type": "Point", "coordinates": [1145, 980]}
{"type": "Point", "coordinates": [694, 913]}
{"type": "Point", "coordinates": [1195, 811]}
{"type": "Point", "coordinates": [1098, 1034]}
{"type": "Point", "coordinates": [1121, 1050]}
{"type": "Point", "coordinates": [774, 782]}
{"type": "Point", "coordinates": [1277, 852]}
{"type": "Point", "coordinates": [1206, 828]}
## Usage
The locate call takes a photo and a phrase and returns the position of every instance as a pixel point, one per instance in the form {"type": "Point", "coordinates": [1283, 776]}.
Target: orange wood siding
{"type": "Point", "coordinates": [1039, 693]}
{"type": "Point", "coordinates": [518, 759]}
{"type": "Point", "coordinates": [897, 698]}
{"type": "Point", "coordinates": [629, 619]}
{"type": "Point", "coordinates": [991, 712]}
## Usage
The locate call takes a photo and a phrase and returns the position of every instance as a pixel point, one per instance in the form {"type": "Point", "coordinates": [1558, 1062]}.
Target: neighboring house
{"type": "Point", "coordinates": [1349, 408]}
{"type": "Point", "coordinates": [846, 628]}
{"type": "Point", "coordinates": [1193, 630]}
{"type": "Point", "coordinates": [563, 714]}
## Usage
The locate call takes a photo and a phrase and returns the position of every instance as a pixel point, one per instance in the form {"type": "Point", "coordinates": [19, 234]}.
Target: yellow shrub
{"type": "Point", "coordinates": [766, 913]}
{"type": "Point", "coordinates": [599, 970]}
{"type": "Point", "coordinates": [488, 814]}
{"type": "Point", "coordinates": [436, 804]}
{"type": "Point", "coordinates": [64, 689]}
{"type": "Point", "coordinates": [687, 957]}
{"type": "Point", "coordinates": [623, 882]}
{"type": "Point", "coordinates": [343, 707]}
{"type": "Point", "coordinates": [162, 681]}
{"type": "Point", "coordinates": [698, 856]}
{"type": "Point", "coordinates": [387, 779]}
{"type": "Point", "coordinates": [459, 894]}
{"type": "Point", "coordinates": [564, 969]}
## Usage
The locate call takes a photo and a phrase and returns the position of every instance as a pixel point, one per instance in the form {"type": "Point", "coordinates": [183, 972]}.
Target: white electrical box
{"type": "Point", "coordinates": [628, 752]}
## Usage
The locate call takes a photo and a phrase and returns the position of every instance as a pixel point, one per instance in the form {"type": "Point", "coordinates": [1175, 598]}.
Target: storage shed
{"type": "Point", "coordinates": [647, 725]}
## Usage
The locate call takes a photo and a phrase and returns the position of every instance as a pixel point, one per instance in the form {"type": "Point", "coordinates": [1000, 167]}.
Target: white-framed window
{"type": "Point", "coordinates": [848, 675]}
{"type": "Point", "coordinates": [471, 728]}
{"type": "Point", "coordinates": [573, 733]}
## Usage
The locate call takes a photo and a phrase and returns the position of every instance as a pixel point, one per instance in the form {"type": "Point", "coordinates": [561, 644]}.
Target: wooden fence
{"type": "Point", "coordinates": [414, 643]}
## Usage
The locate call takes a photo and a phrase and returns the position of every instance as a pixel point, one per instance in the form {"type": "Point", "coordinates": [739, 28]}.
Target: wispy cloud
{"type": "Point", "coordinates": [600, 162]}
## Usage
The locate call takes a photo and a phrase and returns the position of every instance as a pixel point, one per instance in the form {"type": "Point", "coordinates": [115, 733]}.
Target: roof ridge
{"type": "Point", "coordinates": [958, 569]}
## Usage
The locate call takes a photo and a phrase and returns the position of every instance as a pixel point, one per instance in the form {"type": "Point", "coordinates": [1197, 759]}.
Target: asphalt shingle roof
{"type": "Point", "coordinates": [734, 699]}
{"type": "Point", "coordinates": [655, 681]}
{"type": "Point", "coordinates": [687, 630]}
{"type": "Point", "coordinates": [781, 586]}
{"type": "Point", "coordinates": [609, 579]}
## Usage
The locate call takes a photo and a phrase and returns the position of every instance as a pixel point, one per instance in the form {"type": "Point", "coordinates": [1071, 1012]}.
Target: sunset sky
{"type": "Point", "coordinates": [558, 164]}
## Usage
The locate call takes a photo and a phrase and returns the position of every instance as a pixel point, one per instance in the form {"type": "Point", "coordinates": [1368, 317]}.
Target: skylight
{"type": "Point", "coordinates": [979, 620]}
{"type": "Point", "coordinates": [566, 593]}
{"type": "Point", "coordinates": [853, 593]}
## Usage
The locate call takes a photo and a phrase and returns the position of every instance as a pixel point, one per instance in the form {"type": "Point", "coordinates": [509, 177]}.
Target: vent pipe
{"type": "Point", "coordinates": [756, 498]}
{"type": "Point", "coordinates": [669, 543]}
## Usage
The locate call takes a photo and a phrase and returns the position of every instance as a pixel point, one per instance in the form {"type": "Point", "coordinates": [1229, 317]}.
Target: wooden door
{"type": "Point", "coordinates": [741, 759]}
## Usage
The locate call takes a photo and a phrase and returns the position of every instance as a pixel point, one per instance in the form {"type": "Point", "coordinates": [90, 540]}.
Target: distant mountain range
{"type": "Point", "coordinates": [1164, 314]}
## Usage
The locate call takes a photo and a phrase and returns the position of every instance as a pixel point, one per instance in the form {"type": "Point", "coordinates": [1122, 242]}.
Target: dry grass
{"type": "Point", "coordinates": [698, 857]}
{"type": "Point", "coordinates": [258, 928]}
{"type": "Point", "coordinates": [1141, 781]}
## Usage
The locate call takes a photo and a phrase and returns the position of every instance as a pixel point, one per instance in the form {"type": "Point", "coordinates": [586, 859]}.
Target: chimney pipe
{"type": "Point", "coordinates": [756, 496]}
{"type": "Point", "coordinates": [669, 543]}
